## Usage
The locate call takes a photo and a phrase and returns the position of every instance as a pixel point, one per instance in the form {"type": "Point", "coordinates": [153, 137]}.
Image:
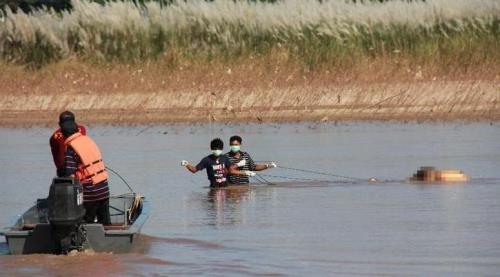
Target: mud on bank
{"type": "Point", "coordinates": [246, 92]}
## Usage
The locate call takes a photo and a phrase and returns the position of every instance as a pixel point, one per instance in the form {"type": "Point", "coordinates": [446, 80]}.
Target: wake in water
{"type": "Point", "coordinates": [139, 262]}
{"type": "Point", "coordinates": [145, 242]}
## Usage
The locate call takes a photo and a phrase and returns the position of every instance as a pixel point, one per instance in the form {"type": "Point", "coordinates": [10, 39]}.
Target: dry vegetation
{"type": "Point", "coordinates": [246, 92]}
{"type": "Point", "coordinates": [233, 61]}
{"type": "Point", "coordinates": [309, 32]}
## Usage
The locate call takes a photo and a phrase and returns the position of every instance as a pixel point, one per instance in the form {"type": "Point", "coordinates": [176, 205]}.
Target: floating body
{"type": "Point", "coordinates": [431, 174]}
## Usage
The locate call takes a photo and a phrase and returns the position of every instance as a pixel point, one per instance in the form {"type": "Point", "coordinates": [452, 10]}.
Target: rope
{"type": "Point", "coordinates": [119, 176]}
{"type": "Point", "coordinates": [262, 180]}
{"type": "Point", "coordinates": [322, 173]}
{"type": "Point", "coordinates": [294, 178]}
{"type": "Point", "coordinates": [258, 178]}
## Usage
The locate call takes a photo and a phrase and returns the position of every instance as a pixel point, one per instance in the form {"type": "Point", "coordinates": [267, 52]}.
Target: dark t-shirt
{"type": "Point", "coordinates": [216, 169]}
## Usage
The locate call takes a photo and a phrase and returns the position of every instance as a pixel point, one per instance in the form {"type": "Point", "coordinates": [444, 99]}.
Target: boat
{"type": "Point", "coordinates": [36, 230]}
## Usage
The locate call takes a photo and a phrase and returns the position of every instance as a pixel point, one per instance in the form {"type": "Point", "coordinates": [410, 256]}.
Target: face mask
{"type": "Point", "coordinates": [235, 148]}
{"type": "Point", "coordinates": [217, 152]}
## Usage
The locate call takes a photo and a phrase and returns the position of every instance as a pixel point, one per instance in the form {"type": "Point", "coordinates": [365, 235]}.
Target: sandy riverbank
{"type": "Point", "coordinates": [255, 92]}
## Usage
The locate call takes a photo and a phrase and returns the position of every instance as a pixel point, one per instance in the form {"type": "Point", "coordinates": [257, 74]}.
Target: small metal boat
{"type": "Point", "coordinates": [33, 232]}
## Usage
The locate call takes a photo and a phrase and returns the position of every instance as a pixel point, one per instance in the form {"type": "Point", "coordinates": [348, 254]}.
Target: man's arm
{"type": "Point", "coordinates": [233, 170]}
{"type": "Point", "coordinates": [258, 167]}
{"type": "Point", "coordinates": [191, 168]}
{"type": "Point", "coordinates": [71, 161]}
{"type": "Point", "coordinates": [54, 149]}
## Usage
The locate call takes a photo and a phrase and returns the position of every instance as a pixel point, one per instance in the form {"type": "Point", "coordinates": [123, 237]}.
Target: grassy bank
{"type": "Point", "coordinates": [442, 101]}
{"type": "Point", "coordinates": [237, 61]}
{"type": "Point", "coordinates": [308, 34]}
{"type": "Point", "coordinates": [246, 91]}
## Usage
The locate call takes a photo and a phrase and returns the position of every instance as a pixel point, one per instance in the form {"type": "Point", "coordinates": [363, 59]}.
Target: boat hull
{"type": "Point", "coordinates": [38, 237]}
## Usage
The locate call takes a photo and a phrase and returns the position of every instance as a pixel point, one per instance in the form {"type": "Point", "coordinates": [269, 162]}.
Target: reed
{"type": "Point", "coordinates": [311, 33]}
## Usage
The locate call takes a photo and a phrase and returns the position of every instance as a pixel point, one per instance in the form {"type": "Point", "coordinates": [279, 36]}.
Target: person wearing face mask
{"type": "Point", "coordinates": [243, 161]}
{"type": "Point", "coordinates": [217, 165]}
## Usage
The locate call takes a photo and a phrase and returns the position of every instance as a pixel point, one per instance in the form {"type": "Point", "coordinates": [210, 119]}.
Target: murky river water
{"type": "Point", "coordinates": [295, 227]}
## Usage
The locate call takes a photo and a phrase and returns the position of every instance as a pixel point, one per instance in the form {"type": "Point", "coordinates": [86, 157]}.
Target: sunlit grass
{"type": "Point", "coordinates": [332, 33]}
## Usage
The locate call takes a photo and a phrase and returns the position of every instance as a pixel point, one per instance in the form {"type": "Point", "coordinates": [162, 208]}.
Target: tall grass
{"type": "Point", "coordinates": [309, 32]}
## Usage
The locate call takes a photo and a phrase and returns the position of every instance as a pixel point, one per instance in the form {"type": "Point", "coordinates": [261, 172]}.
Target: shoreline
{"type": "Point", "coordinates": [49, 119]}
{"type": "Point", "coordinates": [443, 101]}
{"type": "Point", "coordinates": [249, 91]}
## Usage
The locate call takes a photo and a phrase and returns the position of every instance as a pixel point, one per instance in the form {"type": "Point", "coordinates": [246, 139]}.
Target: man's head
{"type": "Point", "coordinates": [216, 145]}
{"type": "Point", "coordinates": [66, 116]}
{"type": "Point", "coordinates": [235, 143]}
{"type": "Point", "coordinates": [68, 128]}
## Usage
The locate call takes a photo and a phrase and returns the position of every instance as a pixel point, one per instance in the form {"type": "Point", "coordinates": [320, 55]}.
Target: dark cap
{"type": "Point", "coordinates": [66, 116]}
{"type": "Point", "coordinates": [68, 128]}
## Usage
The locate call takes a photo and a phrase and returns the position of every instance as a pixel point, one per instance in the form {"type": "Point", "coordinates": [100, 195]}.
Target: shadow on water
{"type": "Point", "coordinates": [139, 262]}
{"type": "Point", "coordinates": [145, 243]}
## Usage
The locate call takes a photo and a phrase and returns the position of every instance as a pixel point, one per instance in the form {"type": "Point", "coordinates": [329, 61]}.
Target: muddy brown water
{"type": "Point", "coordinates": [304, 224]}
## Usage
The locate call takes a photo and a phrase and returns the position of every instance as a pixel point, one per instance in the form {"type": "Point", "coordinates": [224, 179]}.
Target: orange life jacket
{"type": "Point", "coordinates": [92, 167]}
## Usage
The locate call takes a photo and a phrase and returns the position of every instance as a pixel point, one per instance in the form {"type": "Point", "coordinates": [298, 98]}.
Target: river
{"type": "Point", "coordinates": [302, 224]}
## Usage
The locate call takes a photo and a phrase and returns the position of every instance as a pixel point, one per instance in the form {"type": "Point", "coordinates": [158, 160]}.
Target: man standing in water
{"type": "Point", "coordinates": [243, 161]}
{"type": "Point", "coordinates": [83, 160]}
{"type": "Point", "coordinates": [217, 165]}
{"type": "Point", "coordinates": [57, 146]}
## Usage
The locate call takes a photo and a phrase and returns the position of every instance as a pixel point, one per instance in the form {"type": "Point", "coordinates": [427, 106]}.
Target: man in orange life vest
{"type": "Point", "coordinates": [57, 145]}
{"type": "Point", "coordinates": [83, 160]}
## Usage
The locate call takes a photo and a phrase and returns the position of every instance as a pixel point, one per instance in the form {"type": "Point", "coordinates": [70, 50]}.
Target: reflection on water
{"type": "Point", "coordinates": [288, 222]}
{"type": "Point", "coordinates": [222, 204]}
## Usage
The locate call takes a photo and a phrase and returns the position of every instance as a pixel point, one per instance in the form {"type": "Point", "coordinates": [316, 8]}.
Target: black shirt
{"type": "Point", "coordinates": [249, 165]}
{"type": "Point", "coordinates": [217, 168]}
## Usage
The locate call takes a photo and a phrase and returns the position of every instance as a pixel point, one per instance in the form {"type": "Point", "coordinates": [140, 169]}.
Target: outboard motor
{"type": "Point", "coordinates": [66, 212]}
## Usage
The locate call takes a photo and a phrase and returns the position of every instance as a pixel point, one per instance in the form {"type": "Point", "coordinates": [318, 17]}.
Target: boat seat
{"type": "Point", "coordinates": [117, 216]}
{"type": "Point", "coordinates": [113, 227]}
{"type": "Point", "coordinates": [27, 227]}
